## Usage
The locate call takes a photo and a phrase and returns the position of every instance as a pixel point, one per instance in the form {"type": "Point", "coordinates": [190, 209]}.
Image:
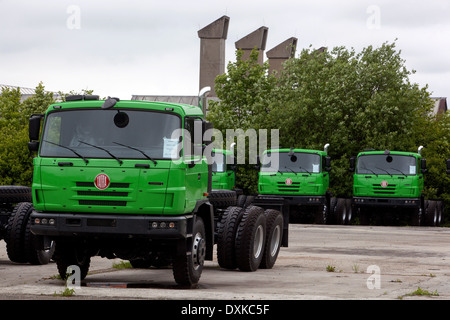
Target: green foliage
{"type": "Point", "coordinates": [15, 158]}
{"type": "Point", "coordinates": [353, 101]}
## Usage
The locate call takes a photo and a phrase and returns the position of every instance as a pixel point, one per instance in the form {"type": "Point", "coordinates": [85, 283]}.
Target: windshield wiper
{"type": "Point", "coordinates": [120, 161]}
{"type": "Point", "coordinates": [399, 171]}
{"type": "Point", "coordinates": [365, 168]}
{"type": "Point", "coordinates": [304, 169]}
{"type": "Point", "coordinates": [291, 170]}
{"type": "Point", "coordinates": [384, 171]}
{"type": "Point", "coordinates": [60, 145]}
{"type": "Point", "coordinates": [133, 148]}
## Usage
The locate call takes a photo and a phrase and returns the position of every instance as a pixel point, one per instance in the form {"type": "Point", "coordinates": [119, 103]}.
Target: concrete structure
{"type": "Point", "coordinates": [255, 40]}
{"type": "Point", "coordinates": [440, 105]}
{"type": "Point", "coordinates": [279, 54]}
{"type": "Point", "coordinates": [212, 52]}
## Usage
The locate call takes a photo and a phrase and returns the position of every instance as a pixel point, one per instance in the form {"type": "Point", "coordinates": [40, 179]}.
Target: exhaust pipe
{"type": "Point", "coordinates": [325, 148]}
{"type": "Point", "coordinates": [419, 151]}
{"type": "Point", "coordinates": [202, 98]}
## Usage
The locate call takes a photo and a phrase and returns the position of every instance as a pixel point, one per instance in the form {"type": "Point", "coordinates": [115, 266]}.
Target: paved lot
{"type": "Point", "coordinates": [322, 262]}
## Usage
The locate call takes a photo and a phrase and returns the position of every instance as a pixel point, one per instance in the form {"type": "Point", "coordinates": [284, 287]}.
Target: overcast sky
{"type": "Point", "coordinates": [121, 48]}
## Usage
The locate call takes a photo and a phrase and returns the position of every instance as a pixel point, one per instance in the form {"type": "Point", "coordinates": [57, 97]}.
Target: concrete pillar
{"type": "Point", "coordinates": [257, 39]}
{"type": "Point", "coordinates": [280, 54]}
{"type": "Point", "coordinates": [212, 52]}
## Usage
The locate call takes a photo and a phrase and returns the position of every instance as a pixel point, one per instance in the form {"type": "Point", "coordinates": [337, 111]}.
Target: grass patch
{"type": "Point", "coordinates": [122, 265]}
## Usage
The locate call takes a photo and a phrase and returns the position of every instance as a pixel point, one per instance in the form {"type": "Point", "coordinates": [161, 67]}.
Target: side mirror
{"type": "Point", "coordinates": [34, 126]}
{"type": "Point", "coordinates": [328, 164]}
{"type": "Point", "coordinates": [448, 166]}
{"type": "Point", "coordinates": [33, 145]}
{"type": "Point", "coordinates": [423, 165]}
{"type": "Point", "coordinates": [352, 164]}
{"type": "Point", "coordinates": [258, 163]}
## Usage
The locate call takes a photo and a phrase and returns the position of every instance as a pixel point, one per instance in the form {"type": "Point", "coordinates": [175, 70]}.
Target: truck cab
{"type": "Point", "coordinates": [223, 173]}
{"type": "Point", "coordinates": [300, 177]}
{"type": "Point", "coordinates": [386, 180]}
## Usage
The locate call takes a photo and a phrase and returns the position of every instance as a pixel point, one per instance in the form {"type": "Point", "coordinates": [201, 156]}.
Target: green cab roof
{"type": "Point", "coordinates": [181, 109]}
{"type": "Point", "coordinates": [399, 153]}
{"type": "Point", "coordinates": [286, 150]}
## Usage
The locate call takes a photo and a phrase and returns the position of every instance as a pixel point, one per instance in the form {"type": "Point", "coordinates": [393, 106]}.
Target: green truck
{"type": "Point", "coordinates": [388, 188]}
{"type": "Point", "coordinates": [299, 180]}
{"type": "Point", "coordinates": [112, 180]}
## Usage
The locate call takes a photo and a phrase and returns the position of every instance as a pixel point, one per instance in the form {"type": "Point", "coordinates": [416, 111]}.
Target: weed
{"type": "Point", "coordinates": [122, 265]}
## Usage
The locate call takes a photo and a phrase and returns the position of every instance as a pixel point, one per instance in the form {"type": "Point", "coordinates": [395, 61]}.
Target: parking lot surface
{"type": "Point", "coordinates": [322, 262]}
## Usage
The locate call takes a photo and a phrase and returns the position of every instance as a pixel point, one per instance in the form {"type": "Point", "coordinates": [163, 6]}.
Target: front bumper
{"type": "Point", "coordinates": [82, 224]}
{"type": "Point", "coordinates": [386, 202]}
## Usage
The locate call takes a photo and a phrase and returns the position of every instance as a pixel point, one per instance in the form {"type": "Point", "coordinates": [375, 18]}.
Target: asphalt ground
{"type": "Point", "coordinates": [322, 262]}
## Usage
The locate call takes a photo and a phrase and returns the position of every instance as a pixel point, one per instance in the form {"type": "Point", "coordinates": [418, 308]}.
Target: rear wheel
{"type": "Point", "coordinates": [250, 239]}
{"type": "Point", "coordinates": [274, 234]}
{"type": "Point", "coordinates": [187, 268]}
{"type": "Point", "coordinates": [226, 253]}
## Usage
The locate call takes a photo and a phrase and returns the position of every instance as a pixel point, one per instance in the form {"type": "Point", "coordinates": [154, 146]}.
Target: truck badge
{"type": "Point", "coordinates": [384, 183]}
{"type": "Point", "coordinates": [101, 181]}
{"type": "Point", "coordinates": [288, 182]}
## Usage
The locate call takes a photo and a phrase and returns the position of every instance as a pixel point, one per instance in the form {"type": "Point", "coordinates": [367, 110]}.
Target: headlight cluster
{"type": "Point", "coordinates": [359, 200]}
{"type": "Point", "coordinates": [45, 221]}
{"type": "Point", "coordinates": [162, 225]}
{"type": "Point", "coordinates": [314, 199]}
{"type": "Point", "coordinates": [410, 201]}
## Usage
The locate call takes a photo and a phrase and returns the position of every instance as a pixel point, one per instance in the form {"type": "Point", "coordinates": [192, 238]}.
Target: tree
{"type": "Point", "coordinates": [15, 158]}
{"type": "Point", "coordinates": [243, 104]}
{"type": "Point", "coordinates": [353, 101]}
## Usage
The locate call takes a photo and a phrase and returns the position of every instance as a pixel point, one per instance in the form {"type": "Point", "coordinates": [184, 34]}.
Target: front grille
{"type": "Point", "coordinates": [103, 203]}
{"type": "Point", "coordinates": [94, 197]}
{"type": "Point", "coordinates": [283, 187]}
{"type": "Point", "coordinates": [102, 193]}
{"type": "Point", "coordinates": [112, 185]}
{"type": "Point", "coordinates": [378, 189]}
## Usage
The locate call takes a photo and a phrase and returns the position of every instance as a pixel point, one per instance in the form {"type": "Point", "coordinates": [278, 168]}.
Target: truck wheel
{"type": "Point", "coordinates": [15, 231]}
{"type": "Point", "coordinates": [274, 234]}
{"type": "Point", "coordinates": [39, 249]}
{"type": "Point", "coordinates": [341, 211]}
{"type": "Point", "coordinates": [321, 216]}
{"type": "Point", "coordinates": [250, 239]}
{"type": "Point", "coordinates": [431, 213]}
{"type": "Point", "coordinates": [226, 253]}
{"type": "Point", "coordinates": [68, 254]}
{"type": "Point", "coordinates": [188, 268]}
{"type": "Point", "coordinates": [349, 216]}
{"type": "Point", "coordinates": [440, 212]}
{"type": "Point", "coordinates": [416, 216]}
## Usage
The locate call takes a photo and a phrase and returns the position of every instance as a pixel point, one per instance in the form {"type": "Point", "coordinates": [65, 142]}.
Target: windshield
{"type": "Point", "coordinates": [386, 164]}
{"type": "Point", "coordinates": [296, 162]}
{"type": "Point", "coordinates": [95, 133]}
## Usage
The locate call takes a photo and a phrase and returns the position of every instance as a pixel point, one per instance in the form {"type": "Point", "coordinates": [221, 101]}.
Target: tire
{"type": "Point", "coordinates": [221, 198]}
{"type": "Point", "coordinates": [440, 210]}
{"type": "Point", "coordinates": [416, 216]}
{"type": "Point", "coordinates": [38, 249]}
{"type": "Point", "coordinates": [241, 200]}
{"type": "Point", "coordinates": [15, 194]}
{"type": "Point", "coordinates": [349, 215]}
{"type": "Point", "coordinates": [274, 235]}
{"type": "Point", "coordinates": [226, 253]}
{"type": "Point", "coordinates": [67, 254]}
{"type": "Point", "coordinates": [321, 216]}
{"type": "Point", "coordinates": [250, 239]}
{"type": "Point", "coordinates": [15, 232]}
{"type": "Point", "coordinates": [187, 268]}
{"type": "Point", "coordinates": [341, 211]}
{"type": "Point", "coordinates": [431, 213]}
